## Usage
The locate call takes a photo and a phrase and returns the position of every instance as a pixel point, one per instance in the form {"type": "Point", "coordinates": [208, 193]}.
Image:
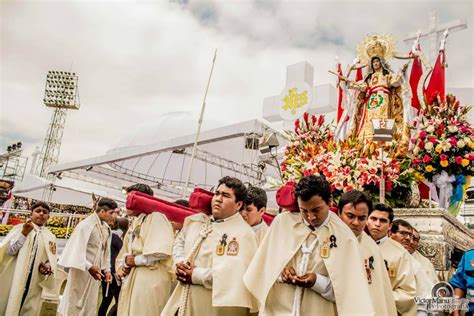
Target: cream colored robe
{"type": "Point", "coordinates": [14, 271]}
{"type": "Point", "coordinates": [344, 266]}
{"type": "Point", "coordinates": [402, 278]}
{"type": "Point", "coordinates": [146, 289]}
{"type": "Point", "coordinates": [380, 288]}
{"type": "Point", "coordinates": [228, 295]}
{"type": "Point", "coordinates": [260, 234]}
{"type": "Point", "coordinates": [427, 266]}
{"type": "Point", "coordinates": [89, 242]}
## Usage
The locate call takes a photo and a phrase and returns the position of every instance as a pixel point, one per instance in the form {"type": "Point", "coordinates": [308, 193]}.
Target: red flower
{"type": "Point", "coordinates": [443, 157]}
{"type": "Point", "coordinates": [297, 125]}
{"type": "Point", "coordinates": [423, 134]}
{"type": "Point", "coordinates": [426, 158]}
{"type": "Point", "coordinates": [321, 120]}
{"type": "Point", "coordinates": [458, 160]}
{"type": "Point", "coordinates": [388, 186]}
{"type": "Point", "coordinates": [421, 145]}
{"type": "Point", "coordinates": [440, 130]}
{"type": "Point", "coordinates": [305, 117]}
{"type": "Point", "coordinates": [313, 119]}
{"type": "Point", "coordinates": [433, 140]}
{"type": "Point", "coordinates": [416, 160]}
{"type": "Point", "coordinates": [453, 141]}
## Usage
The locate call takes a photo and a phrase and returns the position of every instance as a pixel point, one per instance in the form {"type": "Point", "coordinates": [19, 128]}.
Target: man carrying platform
{"type": "Point", "coordinates": [309, 262]}
{"type": "Point", "coordinates": [211, 254]}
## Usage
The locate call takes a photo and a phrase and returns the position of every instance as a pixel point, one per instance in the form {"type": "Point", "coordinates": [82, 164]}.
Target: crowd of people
{"type": "Point", "coordinates": [312, 261]}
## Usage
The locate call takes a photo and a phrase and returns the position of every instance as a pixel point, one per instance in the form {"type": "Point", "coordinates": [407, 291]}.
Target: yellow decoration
{"type": "Point", "coordinates": [444, 163]}
{"type": "Point", "coordinates": [295, 100]}
{"type": "Point", "coordinates": [439, 149]}
{"type": "Point", "coordinates": [465, 162]}
{"type": "Point", "coordinates": [429, 168]}
{"type": "Point", "coordinates": [382, 45]}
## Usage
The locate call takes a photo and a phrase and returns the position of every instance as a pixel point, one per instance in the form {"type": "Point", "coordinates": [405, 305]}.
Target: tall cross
{"type": "Point", "coordinates": [434, 32]}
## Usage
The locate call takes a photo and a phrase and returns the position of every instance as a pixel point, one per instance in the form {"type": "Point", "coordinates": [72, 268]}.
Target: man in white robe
{"type": "Point", "coordinates": [309, 262]}
{"type": "Point", "coordinates": [397, 260]}
{"type": "Point", "coordinates": [144, 263]}
{"type": "Point", "coordinates": [86, 254]}
{"type": "Point", "coordinates": [354, 209]}
{"type": "Point", "coordinates": [425, 262]}
{"type": "Point", "coordinates": [211, 254]}
{"type": "Point", "coordinates": [254, 207]}
{"type": "Point", "coordinates": [27, 264]}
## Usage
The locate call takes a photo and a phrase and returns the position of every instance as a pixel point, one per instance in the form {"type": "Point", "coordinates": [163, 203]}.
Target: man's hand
{"type": "Point", "coordinates": [108, 277]}
{"type": "Point", "coordinates": [307, 280]}
{"type": "Point", "coordinates": [27, 228]}
{"type": "Point", "coordinates": [288, 275]}
{"type": "Point", "coordinates": [184, 271]}
{"type": "Point", "coordinates": [130, 260]}
{"type": "Point", "coordinates": [94, 271]}
{"type": "Point", "coordinates": [123, 273]}
{"type": "Point", "coordinates": [45, 268]}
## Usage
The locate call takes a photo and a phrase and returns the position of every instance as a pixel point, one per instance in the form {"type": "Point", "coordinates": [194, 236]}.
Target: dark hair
{"type": "Point", "coordinates": [140, 187]}
{"type": "Point", "coordinates": [354, 197]}
{"type": "Point", "coordinates": [182, 202]}
{"type": "Point", "coordinates": [106, 204]}
{"type": "Point", "coordinates": [385, 208]}
{"type": "Point", "coordinates": [122, 224]}
{"type": "Point", "coordinates": [235, 184]}
{"type": "Point", "coordinates": [41, 204]}
{"type": "Point", "coordinates": [313, 185]}
{"type": "Point", "coordinates": [384, 71]}
{"type": "Point", "coordinates": [256, 196]}
{"type": "Point", "coordinates": [399, 222]}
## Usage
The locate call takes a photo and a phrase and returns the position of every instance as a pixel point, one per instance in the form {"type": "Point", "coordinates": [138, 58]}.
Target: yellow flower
{"type": "Point", "coordinates": [419, 176]}
{"type": "Point", "coordinates": [439, 149]}
{"type": "Point", "coordinates": [444, 163]}
{"type": "Point", "coordinates": [465, 162]}
{"type": "Point", "coordinates": [471, 145]}
{"type": "Point", "coordinates": [429, 168]}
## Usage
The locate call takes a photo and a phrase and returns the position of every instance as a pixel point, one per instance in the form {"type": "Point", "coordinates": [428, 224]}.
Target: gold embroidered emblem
{"type": "Point", "coordinates": [233, 247]}
{"type": "Point", "coordinates": [392, 271]}
{"type": "Point", "coordinates": [52, 247]}
{"type": "Point", "coordinates": [220, 249]}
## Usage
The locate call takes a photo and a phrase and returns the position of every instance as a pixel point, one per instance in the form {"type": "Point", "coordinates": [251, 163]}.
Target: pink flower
{"type": "Point", "coordinates": [458, 160]}
{"type": "Point", "coordinates": [416, 160]}
{"type": "Point", "coordinates": [433, 140]}
{"type": "Point", "coordinates": [423, 134]}
{"type": "Point", "coordinates": [426, 158]}
{"type": "Point", "coordinates": [453, 141]}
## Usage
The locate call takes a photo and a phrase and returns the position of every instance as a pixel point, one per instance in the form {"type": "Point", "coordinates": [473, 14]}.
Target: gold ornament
{"type": "Point", "coordinates": [381, 45]}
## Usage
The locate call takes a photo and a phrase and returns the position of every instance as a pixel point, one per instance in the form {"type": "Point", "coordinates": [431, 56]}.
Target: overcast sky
{"type": "Point", "coordinates": [139, 60]}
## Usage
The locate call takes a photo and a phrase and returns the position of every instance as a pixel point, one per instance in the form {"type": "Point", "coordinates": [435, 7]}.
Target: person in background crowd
{"type": "Point", "coordinates": [425, 262]}
{"type": "Point", "coordinates": [118, 232]}
{"type": "Point", "coordinates": [254, 207]}
{"type": "Point", "coordinates": [86, 254]}
{"type": "Point", "coordinates": [144, 263]}
{"type": "Point", "coordinates": [27, 264]}
{"type": "Point", "coordinates": [463, 281]}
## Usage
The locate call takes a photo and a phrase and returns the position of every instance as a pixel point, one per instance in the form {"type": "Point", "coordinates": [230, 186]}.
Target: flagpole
{"type": "Point", "coordinates": [193, 155]}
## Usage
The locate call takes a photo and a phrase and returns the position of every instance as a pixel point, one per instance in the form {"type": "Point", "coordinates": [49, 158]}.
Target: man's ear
{"type": "Point", "coordinates": [240, 204]}
{"type": "Point", "coordinates": [262, 210]}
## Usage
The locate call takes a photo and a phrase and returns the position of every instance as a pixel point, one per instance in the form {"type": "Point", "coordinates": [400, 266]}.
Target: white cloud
{"type": "Point", "coordinates": [137, 61]}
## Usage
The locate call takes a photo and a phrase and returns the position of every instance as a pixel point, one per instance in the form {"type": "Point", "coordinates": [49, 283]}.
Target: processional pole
{"type": "Point", "coordinates": [185, 190]}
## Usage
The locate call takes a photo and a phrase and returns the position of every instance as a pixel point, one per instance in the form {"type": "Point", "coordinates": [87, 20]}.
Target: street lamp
{"type": "Point", "coordinates": [383, 132]}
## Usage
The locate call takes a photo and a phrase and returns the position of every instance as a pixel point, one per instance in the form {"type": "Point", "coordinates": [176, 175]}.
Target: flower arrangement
{"type": "Point", "coordinates": [347, 164]}
{"type": "Point", "coordinates": [444, 141]}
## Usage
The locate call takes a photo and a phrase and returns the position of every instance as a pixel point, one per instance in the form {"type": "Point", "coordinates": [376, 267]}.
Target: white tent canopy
{"type": "Point", "coordinates": [164, 164]}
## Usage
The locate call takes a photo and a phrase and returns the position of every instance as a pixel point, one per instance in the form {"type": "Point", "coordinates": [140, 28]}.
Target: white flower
{"type": "Point", "coordinates": [452, 128]}
{"type": "Point", "coordinates": [467, 140]}
{"type": "Point", "coordinates": [416, 150]}
{"type": "Point", "coordinates": [429, 146]}
{"type": "Point", "coordinates": [430, 129]}
{"type": "Point", "coordinates": [461, 144]}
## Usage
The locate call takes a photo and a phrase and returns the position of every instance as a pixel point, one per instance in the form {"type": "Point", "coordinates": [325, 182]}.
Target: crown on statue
{"type": "Point", "coordinates": [381, 45]}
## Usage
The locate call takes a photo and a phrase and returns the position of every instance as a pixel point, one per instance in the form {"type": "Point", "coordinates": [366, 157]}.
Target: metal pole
{"type": "Point", "coordinates": [382, 180]}
{"type": "Point", "coordinates": [185, 190]}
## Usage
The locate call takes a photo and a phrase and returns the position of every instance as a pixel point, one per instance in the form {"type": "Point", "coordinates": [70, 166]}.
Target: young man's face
{"type": "Point", "coordinates": [39, 216]}
{"type": "Point", "coordinates": [404, 236]}
{"type": "Point", "coordinates": [314, 211]}
{"type": "Point", "coordinates": [378, 224]}
{"type": "Point", "coordinates": [355, 217]}
{"type": "Point", "coordinates": [252, 215]}
{"type": "Point", "coordinates": [224, 203]}
{"type": "Point", "coordinates": [107, 216]}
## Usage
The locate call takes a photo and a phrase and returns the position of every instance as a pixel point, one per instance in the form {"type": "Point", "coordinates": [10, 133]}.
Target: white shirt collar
{"type": "Point", "coordinates": [326, 221]}
{"type": "Point", "coordinates": [381, 241]}
{"type": "Point", "coordinates": [224, 219]}
{"type": "Point", "coordinates": [257, 227]}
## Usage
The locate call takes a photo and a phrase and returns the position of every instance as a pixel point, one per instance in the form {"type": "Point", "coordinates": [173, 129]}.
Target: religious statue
{"type": "Point", "coordinates": [382, 94]}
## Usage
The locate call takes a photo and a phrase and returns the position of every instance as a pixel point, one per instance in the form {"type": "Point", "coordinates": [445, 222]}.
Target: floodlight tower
{"type": "Point", "coordinates": [61, 93]}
